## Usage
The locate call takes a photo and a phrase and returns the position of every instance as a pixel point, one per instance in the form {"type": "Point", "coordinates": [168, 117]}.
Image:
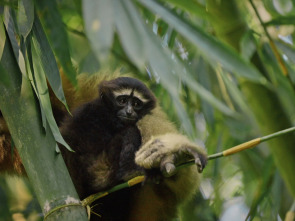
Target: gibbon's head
{"type": "Point", "coordinates": [128, 98]}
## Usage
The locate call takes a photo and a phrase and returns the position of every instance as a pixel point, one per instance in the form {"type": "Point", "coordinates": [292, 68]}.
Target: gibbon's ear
{"type": "Point", "coordinates": [105, 91]}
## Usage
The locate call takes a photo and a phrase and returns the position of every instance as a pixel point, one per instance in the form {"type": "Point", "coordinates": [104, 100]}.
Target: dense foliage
{"type": "Point", "coordinates": [223, 70]}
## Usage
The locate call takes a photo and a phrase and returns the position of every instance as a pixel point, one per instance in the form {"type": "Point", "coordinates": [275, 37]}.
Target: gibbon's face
{"type": "Point", "coordinates": [127, 98]}
{"type": "Point", "coordinates": [129, 103]}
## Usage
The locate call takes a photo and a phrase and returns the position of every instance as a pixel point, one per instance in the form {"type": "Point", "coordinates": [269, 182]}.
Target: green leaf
{"type": "Point", "coordinates": [131, 31]}
{"type": "Point", "coordinates": [3, 76]}
{"type": "Point", "coordinates": [38, 74]}
{"type": "Point", "coordinates": [281, 20]}
{"type": "Point", "coordinates": [3, 38]}
{"type": "Point", "coordinates": [209, 46]}
{"type": "Point", "coordinates": [9, 21]}
{"type": "Point", "coordinates": [31, 75]}
{"type": "Point", "coordinates": [25, 17]}
{"type": "Point", "coordinates": [284, 7]}
{"type": "Point", "coordinates": [263, 189]}
{"type": "Point", "coordinates": [203, 74]}
{"type": "Point", "coordinates": [283, 87]}
{"type": "Point", "coordinates": [89, 64]}
{"type": "Point", "coordinates": [7, 62]}
{"type": "Point", "coordinates": [99, 25]}
{"type": "Point", "coordinates": [207, 95]}
{"type": "Point", "coordinates": [165, 68]}
{"type": "Point", "coordinates": [287, 49]}
{"type": "Point", "coordinates": [57, 36]}
{"type": "Point", "coordinates": [170, 82]}
{"type": "Point", "coordinates": [248, 45]}
{"type": "Point", "coordinates": [235, 93]}
{"type": "Point", "coordinates": [191, 6]}
{"type": "Point", "coordinates": [47, 60]}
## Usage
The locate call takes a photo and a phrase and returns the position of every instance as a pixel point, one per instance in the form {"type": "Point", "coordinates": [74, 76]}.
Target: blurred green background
{"type": "Point", "coordinates": [223, 71]}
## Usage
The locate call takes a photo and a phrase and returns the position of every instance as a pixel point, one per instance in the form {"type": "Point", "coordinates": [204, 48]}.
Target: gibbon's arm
{"type": "Point", "coordinates": [164, 148]}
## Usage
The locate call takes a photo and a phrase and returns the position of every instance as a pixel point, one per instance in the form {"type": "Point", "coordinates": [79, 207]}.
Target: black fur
{"type": "Point", "coordinates": [104, 146]}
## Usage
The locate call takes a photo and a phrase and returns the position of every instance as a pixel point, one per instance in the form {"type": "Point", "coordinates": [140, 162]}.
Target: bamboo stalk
{"type": "Point", "coordinates": [45, 169]}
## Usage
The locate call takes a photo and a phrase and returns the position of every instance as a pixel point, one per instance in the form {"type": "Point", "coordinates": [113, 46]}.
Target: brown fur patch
{"type": "Point", "coordinates": [102, 170]}
{"type": "Point", "coordinates": [8, 162]}
{"type": "Point", "coordinates": [148, 204]}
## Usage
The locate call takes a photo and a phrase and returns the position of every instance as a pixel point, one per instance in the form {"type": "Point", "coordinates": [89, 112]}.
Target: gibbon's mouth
{"type": "Point", "coordinates": [127, 119]}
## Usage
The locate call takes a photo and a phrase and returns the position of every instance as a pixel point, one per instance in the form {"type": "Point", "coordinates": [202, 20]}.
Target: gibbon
{"type": "Point", "coordinates": [104, 135]}
{"type": "Point", "coordinates": [117, 134]}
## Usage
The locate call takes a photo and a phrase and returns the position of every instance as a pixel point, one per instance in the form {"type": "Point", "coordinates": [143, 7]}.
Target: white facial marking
{"type": "Point", "coordinates": [122, 92]}
{"type": "Point", "coordinates": [128, 91]}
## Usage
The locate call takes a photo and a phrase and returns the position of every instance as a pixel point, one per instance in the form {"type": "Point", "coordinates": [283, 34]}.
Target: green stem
{"type": "Point", "coordinates": [279, 133]}
{"type": "Point", "coordinates": [215, 156]}
{"type": "Point", "coordinates": [233, 150]}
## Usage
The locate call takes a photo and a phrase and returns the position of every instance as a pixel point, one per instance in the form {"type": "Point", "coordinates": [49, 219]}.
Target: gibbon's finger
{"type": "Point", "coordinates": [167, 165]}
{"type": "Point", "coordinates": [149, 159]}
{"type": "Point", "coordinates": [150, 155]}
{"type": "Point", "coordinates": [150, 147]}
{"type": "Point", "coordinates": [200, 159]}
{"type": "Point", "coordinates": [152, 161]}
{"type": "Point", "coordinates": [143, 154]}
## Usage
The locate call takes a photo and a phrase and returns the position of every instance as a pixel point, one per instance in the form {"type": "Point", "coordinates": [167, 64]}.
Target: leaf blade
{"type": "Point", "coordinates": [209, 46]}
{"type": "Point", "coordinates": [57, 36]}
{"type": "Point", "coordinates": [99, 25]}
{"type": "Point", "coordinates": [25, 17]}
{"type": "Point", "coordinates": [48, 61]}
{"type": "Point", "coordinates": [129, 27]}
{"type": "Point", "coordinates": [43, 93]}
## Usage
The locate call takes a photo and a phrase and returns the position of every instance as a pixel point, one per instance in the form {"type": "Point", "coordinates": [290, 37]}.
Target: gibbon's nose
{"type": "Point", "coordinates": [129, 110]}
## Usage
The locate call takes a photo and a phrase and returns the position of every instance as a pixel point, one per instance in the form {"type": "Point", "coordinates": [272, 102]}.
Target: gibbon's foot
{"type": "Point", "coordinates": [167, 151]}
{"type": "Point", "coordinates": [153, 176]}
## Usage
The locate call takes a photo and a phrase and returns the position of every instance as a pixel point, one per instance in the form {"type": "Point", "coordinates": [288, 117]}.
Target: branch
{"type": "Point", "coordinates": [230, 151]}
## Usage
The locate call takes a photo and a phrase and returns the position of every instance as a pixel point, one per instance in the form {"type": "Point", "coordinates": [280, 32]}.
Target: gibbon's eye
{"type": "Point", "coordinates": [136, 103]}
{"type": "Point", "coordinates": [122, 100]}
